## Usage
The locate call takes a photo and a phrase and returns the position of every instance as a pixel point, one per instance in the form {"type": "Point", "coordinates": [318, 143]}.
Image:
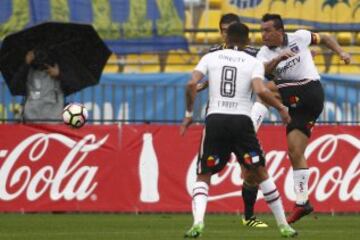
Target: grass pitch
{"type": "Point", "coordinates": [166, 227]}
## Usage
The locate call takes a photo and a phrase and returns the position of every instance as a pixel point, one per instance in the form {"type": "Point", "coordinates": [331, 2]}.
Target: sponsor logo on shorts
{"type": "Point", "coordinates": [293, 100]}
{"type": "Point", "coordinates": [310, 125]}
{"type": "Point", "coordinates": [212, 161]}
{"type": "Point", "coordinates": [251, 158]}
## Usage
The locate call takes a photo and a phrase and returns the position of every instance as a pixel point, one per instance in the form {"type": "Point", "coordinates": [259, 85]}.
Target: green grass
{"type": "Point", "coordinates": [165, 227]}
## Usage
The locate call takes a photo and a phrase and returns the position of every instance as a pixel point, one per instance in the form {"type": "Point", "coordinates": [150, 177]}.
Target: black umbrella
{"type": "Point", "coordinates": [77, 48]}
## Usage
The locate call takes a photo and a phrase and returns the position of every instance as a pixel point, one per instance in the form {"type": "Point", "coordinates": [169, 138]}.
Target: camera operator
{"type": "Point", "coordinates": [44, 100]}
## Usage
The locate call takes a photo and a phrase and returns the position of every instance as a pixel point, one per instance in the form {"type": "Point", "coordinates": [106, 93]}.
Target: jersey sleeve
{"type": "Point", "coordinates": [261, 55]}
{"type": "Point", "coordinates": [304, 36]}
{"type": "Point", "coordinates": [258, 70]}
{"type": "Point", "coordinates": [202, 66]}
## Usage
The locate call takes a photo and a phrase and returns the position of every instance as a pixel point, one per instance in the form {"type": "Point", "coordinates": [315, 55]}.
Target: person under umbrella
{"type": "Point", "coordinates": [60, 59]}
{"type": "Point", "coordinates": [40, 75]}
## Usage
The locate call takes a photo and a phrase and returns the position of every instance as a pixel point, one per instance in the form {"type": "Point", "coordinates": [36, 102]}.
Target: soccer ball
{"type": "Point", "coordinates": [75, 115]}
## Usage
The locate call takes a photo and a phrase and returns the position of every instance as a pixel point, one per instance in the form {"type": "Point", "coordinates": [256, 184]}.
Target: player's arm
{"type": "Point", "coordinates": [191, 91]}
{"type": "Point", "coordinates": [271, 65]}
{"type": "Point", "coordinates": [202, 86]}
{"type": "Point", "coordinates": [332, 44]}
{"type": "Point", "coordinates": [267, 97]}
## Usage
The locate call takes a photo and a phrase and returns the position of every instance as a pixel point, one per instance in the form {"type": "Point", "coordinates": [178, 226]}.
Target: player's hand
{"type": "Point", "coordinates": [314, 52]}
{"type": "Point", "coordinates": [286, 54]}
{"type": "Point", "coordinates": [185, 125]}
{"type": "Point", "coordinates": [284, 113]}
{"type": "Point", "coordinates": [346, 57]}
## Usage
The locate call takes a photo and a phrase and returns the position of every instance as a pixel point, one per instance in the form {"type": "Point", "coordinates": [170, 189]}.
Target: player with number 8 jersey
{"type": "Point", "coordinates": [233, 76]}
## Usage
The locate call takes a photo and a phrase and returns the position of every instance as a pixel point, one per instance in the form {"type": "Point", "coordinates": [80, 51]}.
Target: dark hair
{"type": "Point", "coordinates": [276, 18]}
{"type": "Point", "coordinates": [238, 33]}
{"type": "Point", "coordinates": [229, 18]}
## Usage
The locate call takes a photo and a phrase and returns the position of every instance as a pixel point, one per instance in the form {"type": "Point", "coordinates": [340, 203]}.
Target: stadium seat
{"type": "Point", "coordinates": [181, 61]}
{"type": "Point", "coordinates": [344, 38]}
{"type": "Point", "coordinates": [255, 38]}
{"type": "Point", "coordinates": [112, 65]}
{"type": "Point", "coordinates": [319, 59]}
{"type": "Point", "coordinates": [357, 39]}
{"type": "Point", "coordinates": [209, 20]}
{"type": "Point", "coordinates": [142, 63]}
{"type": "Point", "coordinates": [215, 4]}
{"type": "Point", "coordinates": [188, 25]}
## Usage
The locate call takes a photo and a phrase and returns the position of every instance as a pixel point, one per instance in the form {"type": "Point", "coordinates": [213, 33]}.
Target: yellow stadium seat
{"type": "Point", "coordinates": [209, 20]}
{"type": "Point", "coordinates": [142, 63]}
{"type": "Point", "coordinates": [215, 4]}
{"type": "Point", "coordinates": [189, 25]}
{"type": "Point", "coordinates": [112, 65]}
{"type": "Point", "coordinates": [357, 39]}
{"type": "Point", "coordinates": [344, 38]}
{"type": "Point", "coordinates": [181, 61]}
{"type": "Point", "coordinates": [256, 38]}
{"type": "Point", "coordinates": [319, 59]}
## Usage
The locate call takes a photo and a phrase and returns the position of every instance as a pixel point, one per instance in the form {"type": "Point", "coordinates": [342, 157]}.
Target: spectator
{"type": "Point", "coordinates": [44, 98]}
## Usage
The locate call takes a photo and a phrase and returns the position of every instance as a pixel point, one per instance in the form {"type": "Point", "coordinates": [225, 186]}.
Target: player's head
{"type": "Point", "coordinates": [272, 30]}
{"type": "Point", "coordinates": [225, 21]}
{"type": "Point", "coordinates": [237, 35]}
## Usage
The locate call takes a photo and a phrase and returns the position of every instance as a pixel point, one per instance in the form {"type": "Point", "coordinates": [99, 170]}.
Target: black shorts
{"type": "Point", "coordinates": [305, 100]}
{"type": "Point", "coordinates": [224, 134]}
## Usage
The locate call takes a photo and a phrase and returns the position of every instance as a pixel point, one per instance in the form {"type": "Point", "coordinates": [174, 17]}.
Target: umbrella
{"type": "Point", "coordinates": [77, 48]}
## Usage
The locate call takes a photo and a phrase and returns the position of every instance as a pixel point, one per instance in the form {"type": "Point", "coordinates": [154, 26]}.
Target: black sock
{"type": "Point", "coordinates": [249, 194]}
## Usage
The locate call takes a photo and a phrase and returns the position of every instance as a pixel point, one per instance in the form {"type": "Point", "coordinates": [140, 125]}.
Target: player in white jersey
{"type": "Point", "coordinates": [233, 76]}
{"type": "Point", "coordinates": [249, 188]}
{"type": "Point", "coordinates": [288, 58]}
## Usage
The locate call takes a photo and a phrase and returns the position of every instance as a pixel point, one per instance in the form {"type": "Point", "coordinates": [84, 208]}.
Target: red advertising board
{"type": "Point", "coordinates": [151, 168]}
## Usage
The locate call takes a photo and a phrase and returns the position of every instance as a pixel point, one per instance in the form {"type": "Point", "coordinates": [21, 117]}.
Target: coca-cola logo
{"type": "Point", "coordinates": [72, 180]}
{"type": "Point", "coordinates": [335, 178]}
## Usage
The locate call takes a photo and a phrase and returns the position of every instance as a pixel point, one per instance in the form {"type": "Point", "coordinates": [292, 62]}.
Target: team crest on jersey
{"type": "Point", "coordinates": [294, 48]}
{"type": "Point", "coordinates": [212, 161]}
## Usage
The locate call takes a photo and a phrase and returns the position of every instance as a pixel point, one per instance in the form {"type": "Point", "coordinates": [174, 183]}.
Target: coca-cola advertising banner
{"type": "Point", "coordinates": [151, 168]}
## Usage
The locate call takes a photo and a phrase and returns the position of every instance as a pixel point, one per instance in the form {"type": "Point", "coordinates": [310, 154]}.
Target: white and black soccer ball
{"type": "Point", "coordinates": [75, 115]}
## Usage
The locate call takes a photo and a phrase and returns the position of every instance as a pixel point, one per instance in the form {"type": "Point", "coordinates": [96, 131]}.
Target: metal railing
{"type": "Point", "coordinates": [111, 103]}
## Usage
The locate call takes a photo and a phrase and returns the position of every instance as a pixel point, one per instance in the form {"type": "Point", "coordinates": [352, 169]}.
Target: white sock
{"type": "Point", "coordinates": [272, 197]}
{"type": "Point", "coordinates": [200, 196]}
{"type": "Point", "coordinates": [258, 112]}
{"type": "Point", "coordinates": [301, 178]}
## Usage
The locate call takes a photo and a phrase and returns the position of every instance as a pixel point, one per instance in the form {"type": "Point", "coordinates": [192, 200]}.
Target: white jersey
{"type": "Point", "coordinates": [230, 74]}
{"type": "Point", "coordinates": [299, 67]}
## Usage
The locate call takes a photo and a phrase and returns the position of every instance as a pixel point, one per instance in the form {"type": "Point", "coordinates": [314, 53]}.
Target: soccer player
{"type": "Point", "coordinates": [250, 188]}
{"type": "Point", "coordinates": [287, 57]}
{"type": "Point", "coordinates": [233, 76]}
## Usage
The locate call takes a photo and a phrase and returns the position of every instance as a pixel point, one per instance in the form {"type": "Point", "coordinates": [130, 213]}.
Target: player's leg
{"type": "Point", "coordinates": [258, 113]}
{"type": "Point", "coordinates": [297, 142]}
{"type": "Point", "coordinates": [273, 199]}
{"type": "Point", "coordinates": [199, 203]}
{"type": "Point", "coordinates": [250, 155]}
{"type": "Point", "coordinates": [259, 109]}
{"type": "Point", "coordinates": [304, 112]}
{"type": "Point", "coordinates": [213, 156]}
{"type": "Point", "coordinates": [250, 188]}
{"type": "Point", "coordinates": [249, 195]}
